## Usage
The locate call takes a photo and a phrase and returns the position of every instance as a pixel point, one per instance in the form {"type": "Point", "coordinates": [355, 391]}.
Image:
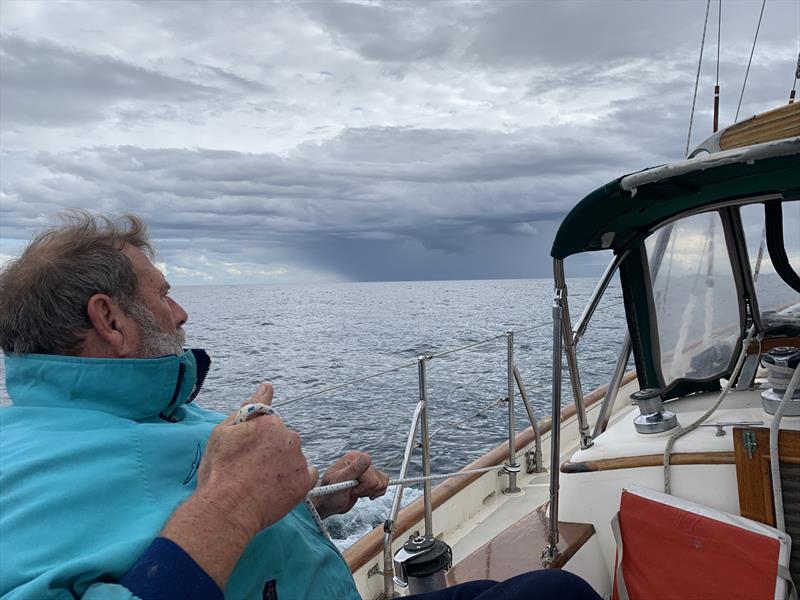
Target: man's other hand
{"type": "Point", "coordinates": [356, 465]}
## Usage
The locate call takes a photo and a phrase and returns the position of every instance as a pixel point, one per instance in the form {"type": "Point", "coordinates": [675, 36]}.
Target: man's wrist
{"type": "Point", "coordinates": [210, 533]}
{"type": "Point", "coordinates": [165, 570]}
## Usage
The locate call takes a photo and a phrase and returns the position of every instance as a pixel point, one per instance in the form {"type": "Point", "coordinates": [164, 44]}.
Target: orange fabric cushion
{"type": "Point", "coordinates": [670, 553]}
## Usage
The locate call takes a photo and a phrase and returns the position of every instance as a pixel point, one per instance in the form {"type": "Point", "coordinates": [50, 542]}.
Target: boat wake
{"type": "Point", "coordinates": [366, 514]}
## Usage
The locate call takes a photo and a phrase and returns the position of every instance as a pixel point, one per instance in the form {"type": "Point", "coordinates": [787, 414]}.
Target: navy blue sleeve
{"type": "Point", "coordinates": [166, 572]}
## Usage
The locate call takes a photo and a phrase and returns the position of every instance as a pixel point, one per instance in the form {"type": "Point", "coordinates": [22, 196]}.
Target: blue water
{"type": "Point", "coordinates": [307, 338]}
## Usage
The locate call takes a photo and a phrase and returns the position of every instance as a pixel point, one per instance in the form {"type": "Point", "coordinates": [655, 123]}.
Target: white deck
{"type": "Point", "coordinates": [481, 511]}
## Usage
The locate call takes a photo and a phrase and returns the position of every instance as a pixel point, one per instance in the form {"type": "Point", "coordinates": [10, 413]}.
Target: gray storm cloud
{"type": "Point", "coordinates": [360, 141]}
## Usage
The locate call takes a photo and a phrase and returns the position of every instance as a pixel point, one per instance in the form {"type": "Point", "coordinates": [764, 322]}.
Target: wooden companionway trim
{"type": "Point", "coordinates": [371, 545]}
{"type": "Point", "coordinates": [649, 460]}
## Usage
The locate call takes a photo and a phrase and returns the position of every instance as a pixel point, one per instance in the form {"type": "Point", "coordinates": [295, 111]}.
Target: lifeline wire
{"type": "Point", "coordinates": [414, 363]}
{"type": "Point", "coordinates": [404, 366]}
{"type": "Point", "coordinates": [445, 428]}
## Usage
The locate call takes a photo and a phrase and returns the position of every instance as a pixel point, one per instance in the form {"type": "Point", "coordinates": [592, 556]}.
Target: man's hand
{"type": "Point", "coordinates": [353, 465]}
{"type": "Point", "coordinates": [251, 475]}
{"type": "Point", "coordinates": [255, 470]}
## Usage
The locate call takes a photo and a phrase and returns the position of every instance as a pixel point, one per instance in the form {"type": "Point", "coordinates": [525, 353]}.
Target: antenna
{"type": "Point", "coordinates": [716, 86]}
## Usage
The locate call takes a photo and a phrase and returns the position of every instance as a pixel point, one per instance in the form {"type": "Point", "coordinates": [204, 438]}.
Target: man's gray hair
{"type": "Point", "coordinates": [44, 292]}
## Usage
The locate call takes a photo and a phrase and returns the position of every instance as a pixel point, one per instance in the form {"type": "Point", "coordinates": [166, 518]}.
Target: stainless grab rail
{"type": "Point", "coordinates": [511, 467]}
{"type": "Point", "coordinates": [389, 524]}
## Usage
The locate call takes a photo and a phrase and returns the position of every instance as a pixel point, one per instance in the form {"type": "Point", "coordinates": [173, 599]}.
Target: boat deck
{"type": "Point", "coordinates": [501, 558]}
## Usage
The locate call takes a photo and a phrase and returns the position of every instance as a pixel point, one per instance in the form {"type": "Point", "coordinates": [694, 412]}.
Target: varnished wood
{"type": "Point", "coordinates": [769, 343]}
{"type": "Point", "coordinates": [649, 460]}
{"type": "Point", "coordinates": [753, 473]}
{"type": "Point", "coordinates": [371, 544]}
{"type": "Point", "coordinates": [515, 550]}
{"type": "Point", "coordinates": [775, 124]}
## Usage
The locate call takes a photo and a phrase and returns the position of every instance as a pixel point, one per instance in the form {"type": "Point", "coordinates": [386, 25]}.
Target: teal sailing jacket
{"type": "Point", "coordinates": [95, 454]}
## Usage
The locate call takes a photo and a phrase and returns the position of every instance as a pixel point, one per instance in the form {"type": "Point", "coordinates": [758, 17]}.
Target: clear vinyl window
{"type": "Point", "coordinates": [695, 296]}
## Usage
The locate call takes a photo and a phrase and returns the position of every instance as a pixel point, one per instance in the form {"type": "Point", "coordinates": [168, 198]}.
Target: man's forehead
{"type": "Point", "coordinates": [145, 270]}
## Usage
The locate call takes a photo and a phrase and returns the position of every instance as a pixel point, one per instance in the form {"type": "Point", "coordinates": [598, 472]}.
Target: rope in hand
{"type": "Point", "coordinates": [249, 411]}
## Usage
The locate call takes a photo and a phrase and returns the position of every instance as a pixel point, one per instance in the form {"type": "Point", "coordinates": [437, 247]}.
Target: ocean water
{"type": "Point", "coordinates": [306, 339]}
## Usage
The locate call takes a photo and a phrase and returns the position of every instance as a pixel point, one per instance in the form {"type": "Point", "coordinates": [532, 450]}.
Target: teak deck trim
{"type": "Point", "coordinates": [775, 124]}
{"type": "Point", "coordinates": [649, 460]}
{"type": "Point", "coordinates": [769, 343]}
{"type": "Point", "coordinates": [360, 553]}
{"type": "Point", "coordinates": [501, 558]}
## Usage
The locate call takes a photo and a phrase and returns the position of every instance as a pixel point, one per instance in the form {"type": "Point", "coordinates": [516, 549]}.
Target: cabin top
{"type": "Point", "coordinates": [706, 247]}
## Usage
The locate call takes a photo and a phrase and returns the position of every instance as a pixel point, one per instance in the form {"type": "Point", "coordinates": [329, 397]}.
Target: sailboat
{"type": "Point", "coordinates": [681, 477]}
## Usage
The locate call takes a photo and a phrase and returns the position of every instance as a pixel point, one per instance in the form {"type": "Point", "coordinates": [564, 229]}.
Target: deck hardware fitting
{"type": "Point", "coordinates": [750, 444]}
{"type": "Point", "coordinates": [722, 424]}
{"type": "Point", "coordinates": [537, 466]}
{"type": "Point", "coordinates": [549, 554]}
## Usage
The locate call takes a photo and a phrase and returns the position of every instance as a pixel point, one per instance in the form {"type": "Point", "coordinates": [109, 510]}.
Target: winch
{"type": "Point", "coordinates": [420, 564]}
{"type": "Point", "coordinates": [780, 363]}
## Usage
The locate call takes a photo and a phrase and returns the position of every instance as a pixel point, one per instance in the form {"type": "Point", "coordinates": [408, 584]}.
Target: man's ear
{"type": "Point", "coordinates": [112, 329]}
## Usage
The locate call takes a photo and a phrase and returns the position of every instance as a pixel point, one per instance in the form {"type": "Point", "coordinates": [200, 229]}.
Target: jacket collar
{"type": "Point", "coordinates": [131, 388]}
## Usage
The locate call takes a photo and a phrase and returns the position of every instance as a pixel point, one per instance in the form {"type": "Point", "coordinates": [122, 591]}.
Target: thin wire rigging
{"type": "Point", "coordinates": [719, 36]}
{"type": "Point", "coordinates": [752, 50]}
{"type": "Point", "coordinates": [697, 78]}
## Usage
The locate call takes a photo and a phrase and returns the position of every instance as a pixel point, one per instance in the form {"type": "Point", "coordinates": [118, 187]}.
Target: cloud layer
{"type": "Point", "coordinates": [358, 140]}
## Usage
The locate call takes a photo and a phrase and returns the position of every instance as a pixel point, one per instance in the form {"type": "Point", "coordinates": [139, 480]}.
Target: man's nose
{"type": "Point", "coordinates": [178, 314]}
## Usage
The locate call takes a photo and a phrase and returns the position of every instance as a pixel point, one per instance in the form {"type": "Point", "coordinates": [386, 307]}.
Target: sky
{"type": "Point", "coordinates": [302, 142]}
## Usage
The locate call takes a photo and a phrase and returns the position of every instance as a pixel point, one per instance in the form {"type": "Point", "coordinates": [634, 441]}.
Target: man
{"type": "Point", "coordinates": [114, 486]}
{"type": "Point", "coordinates": [101, 447]}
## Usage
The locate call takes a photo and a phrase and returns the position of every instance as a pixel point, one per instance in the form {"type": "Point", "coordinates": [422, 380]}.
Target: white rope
{"type": "Point", "coordinates": [684, 430]}
{"type": "Point", "coordinates": [774, 431]}
{"type": "Point", "coordinates": [249, 411]}
{"type": "Point", "coordinates": [323, 490]}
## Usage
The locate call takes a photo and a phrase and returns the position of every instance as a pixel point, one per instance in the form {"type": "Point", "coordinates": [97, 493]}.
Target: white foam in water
{"type": "Point", "coordinates": [365, 516]}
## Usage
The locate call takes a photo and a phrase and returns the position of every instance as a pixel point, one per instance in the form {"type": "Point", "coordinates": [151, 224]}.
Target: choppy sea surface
{"type": "Point", "coordinates": [309, 338]}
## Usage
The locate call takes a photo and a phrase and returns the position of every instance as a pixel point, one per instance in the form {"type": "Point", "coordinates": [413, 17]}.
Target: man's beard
{"type": "Point", "coordinates": [154, 341]}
